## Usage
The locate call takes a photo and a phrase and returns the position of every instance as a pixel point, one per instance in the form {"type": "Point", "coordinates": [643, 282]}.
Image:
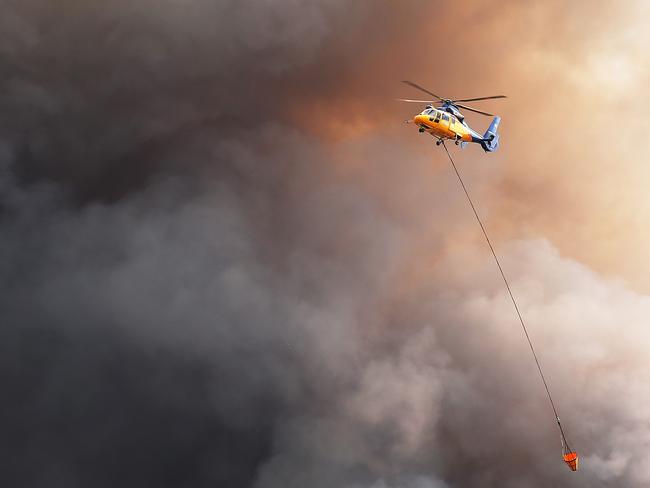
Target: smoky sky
{"type": "Point", "coordinates": [202, 284]}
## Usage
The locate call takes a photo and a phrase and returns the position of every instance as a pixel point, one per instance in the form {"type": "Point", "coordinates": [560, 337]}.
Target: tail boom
{"type": "Point", "coordinates": [490, 140]}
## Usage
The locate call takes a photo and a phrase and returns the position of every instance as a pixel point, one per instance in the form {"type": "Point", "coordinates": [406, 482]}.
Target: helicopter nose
{"type": "Point", "coordinates": [419, 119]}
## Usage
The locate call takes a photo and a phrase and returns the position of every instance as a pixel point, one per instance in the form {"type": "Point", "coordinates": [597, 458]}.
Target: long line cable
{"type": "Point", "coordinates": [512, 297]}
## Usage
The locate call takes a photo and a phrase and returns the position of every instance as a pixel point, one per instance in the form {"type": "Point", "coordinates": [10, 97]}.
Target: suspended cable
{"type": "Point", "coordinates": [565, 444]}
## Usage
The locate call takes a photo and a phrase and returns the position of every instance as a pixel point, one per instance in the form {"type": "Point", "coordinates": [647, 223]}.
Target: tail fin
{"type": "Point", "coordinates": [490, 140]}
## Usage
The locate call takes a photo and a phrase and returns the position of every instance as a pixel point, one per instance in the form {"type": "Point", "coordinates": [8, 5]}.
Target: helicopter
{"type": "Point", "coordinates": [447, 122]}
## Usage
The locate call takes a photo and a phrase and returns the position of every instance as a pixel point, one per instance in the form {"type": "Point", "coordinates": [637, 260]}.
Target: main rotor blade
{"type": "Point", "coordinates": [479, 98]}
{"type": "Point", "coordinates": [473, 109]}
{"type": "Point", "coordinates": [410, 83]}
{"type": "Point", "coordinates": [428, 102]}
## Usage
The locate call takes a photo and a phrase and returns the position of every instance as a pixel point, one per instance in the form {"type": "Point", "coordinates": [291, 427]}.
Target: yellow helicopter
{"type": "Point", "coordinates": [447, 122]}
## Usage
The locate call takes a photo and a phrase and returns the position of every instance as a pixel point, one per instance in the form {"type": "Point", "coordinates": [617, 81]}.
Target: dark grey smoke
{"type": "Point", "coordinates": [148, 221]}
{"type": "Point", "coordinates": [192, 295]}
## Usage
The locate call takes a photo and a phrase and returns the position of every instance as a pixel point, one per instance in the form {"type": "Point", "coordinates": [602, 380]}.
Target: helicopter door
{"type": "Point", "coordinates": [452, 124]}
{"type": "Point", "coordinates": [445, 122]}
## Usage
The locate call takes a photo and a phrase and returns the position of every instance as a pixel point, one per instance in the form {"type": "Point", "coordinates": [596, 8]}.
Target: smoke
{"type": "Point", "coordinates": [204, 285]}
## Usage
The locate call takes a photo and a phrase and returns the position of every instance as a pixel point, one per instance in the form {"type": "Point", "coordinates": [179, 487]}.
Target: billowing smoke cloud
{"type": "Point", "coordinates": [204, 284]}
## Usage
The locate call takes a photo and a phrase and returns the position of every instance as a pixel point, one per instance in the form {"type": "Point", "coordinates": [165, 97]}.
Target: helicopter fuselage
{"type": "Point", "coordinates": [445, 125]}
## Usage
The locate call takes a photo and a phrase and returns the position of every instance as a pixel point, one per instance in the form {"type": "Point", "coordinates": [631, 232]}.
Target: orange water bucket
{"type": "Point", "coordinates": [571, 459]}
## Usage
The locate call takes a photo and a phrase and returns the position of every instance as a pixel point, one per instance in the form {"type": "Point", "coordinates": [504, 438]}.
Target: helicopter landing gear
{"type": "Point", "coordinates": [438, 142]}
{"type": "Point", "coordinates": [457, 139]}
{"type": "Point", "coordinates": [421, 129]}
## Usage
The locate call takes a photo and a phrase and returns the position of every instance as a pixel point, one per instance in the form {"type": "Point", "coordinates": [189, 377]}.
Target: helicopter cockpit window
{"type": "Point", "coordinates": [445, 117]}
